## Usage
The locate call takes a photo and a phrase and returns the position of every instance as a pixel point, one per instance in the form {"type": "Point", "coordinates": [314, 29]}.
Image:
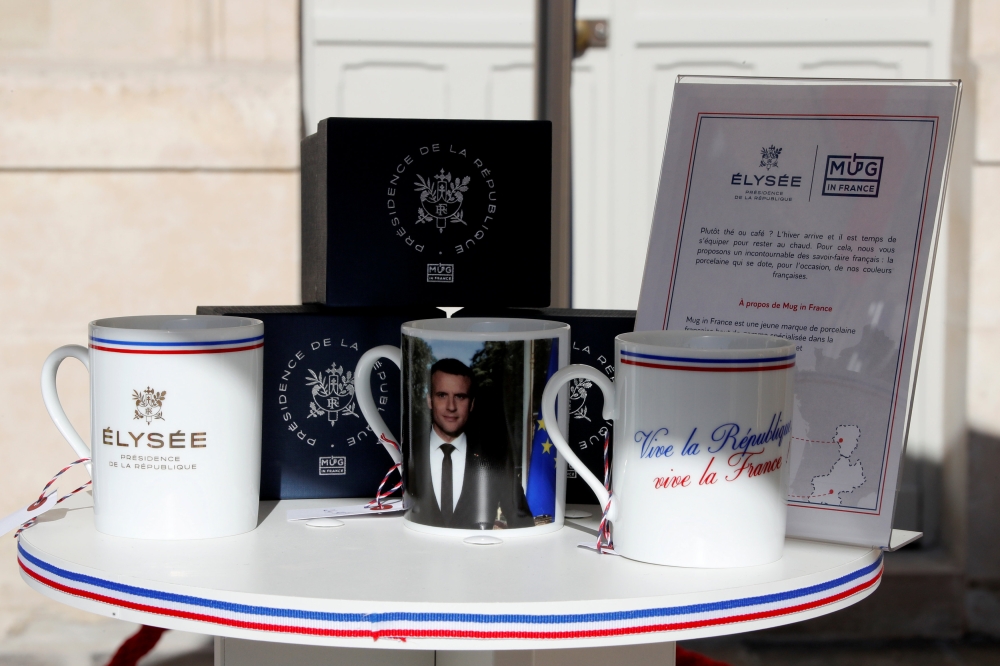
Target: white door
{"type": "Point", "coordinates": [432, 59]}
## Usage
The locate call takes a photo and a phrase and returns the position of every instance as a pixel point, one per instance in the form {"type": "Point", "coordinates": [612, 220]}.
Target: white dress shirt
{"type": "Point", "coordinates": [457, 466]}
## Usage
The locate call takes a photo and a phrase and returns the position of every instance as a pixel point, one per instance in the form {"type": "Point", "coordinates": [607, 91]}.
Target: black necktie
{"type": "Point", "coordinates": [447, 494]}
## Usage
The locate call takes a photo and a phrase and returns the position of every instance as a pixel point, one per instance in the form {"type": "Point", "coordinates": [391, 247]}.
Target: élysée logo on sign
{"type": "Point", "coordinates": [333, 465]}
{"type": "Point", "coordinates": [768, 160]}
{"type": "Point", "coordinates": [852, 175]}
{"type": "Point", "coordinates": [441, 201]}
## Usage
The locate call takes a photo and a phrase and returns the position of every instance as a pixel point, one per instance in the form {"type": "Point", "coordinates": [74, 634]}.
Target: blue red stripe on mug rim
{"type": "Point", "coordinates": [690, 364]}
{"type": "Point", "coordinates": [203, 343]}
{"type": "Point", "coordinates": [174, 348]}
{"type": "Point", "coordinates": [687, 359]}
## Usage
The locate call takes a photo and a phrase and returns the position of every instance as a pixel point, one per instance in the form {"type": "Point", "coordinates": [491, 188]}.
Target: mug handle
{"type": "Point", "coordinates": [50, 395]}
{"type": "Point", "coordinates": [363, 391]}
{"type": "Point", "coordinates": [549, 396]}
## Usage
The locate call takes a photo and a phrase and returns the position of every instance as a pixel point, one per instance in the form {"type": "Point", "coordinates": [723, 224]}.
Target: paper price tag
{"type": "Point", "coordinates": [590, 545]}
{"type": "Point", "coordinates": [21, 516]}
{"type": "Point", "coordinates": [392, 506]}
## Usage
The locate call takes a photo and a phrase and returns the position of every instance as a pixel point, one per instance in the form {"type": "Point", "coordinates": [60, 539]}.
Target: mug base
{"type": "Point", "coordinates": [693, 563]}
{"type": "Point", "coordinates": [515, 532]}
{"type": "Point", "coordinates": [160, 535]}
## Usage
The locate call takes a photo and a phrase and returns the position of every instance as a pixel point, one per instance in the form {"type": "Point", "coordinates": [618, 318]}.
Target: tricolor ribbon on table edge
{"type": "Point", "coordinates": [450, 625]}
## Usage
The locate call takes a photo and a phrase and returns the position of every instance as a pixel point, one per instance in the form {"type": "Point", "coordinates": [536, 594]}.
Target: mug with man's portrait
{"type": "Point", "coordinates": [475, 452]}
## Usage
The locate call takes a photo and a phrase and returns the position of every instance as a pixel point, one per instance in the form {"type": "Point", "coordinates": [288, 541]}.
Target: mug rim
{"type": "Point", "coordinates": [458, 328]}
{"type": "Point", "coordinates": [714, 344]}
{"type": "Point", "coordinates": [143, 322]}
{"type": "Point", "coordinates": [147, 328]}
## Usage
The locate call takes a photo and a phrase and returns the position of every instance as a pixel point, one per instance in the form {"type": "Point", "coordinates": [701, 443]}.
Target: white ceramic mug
{"type": "Point", "coordinates": [702, 432]}
{"type": "Point", "coordinates": [471, 401]}
{"type": "Point", "coordinates": [175, 413]}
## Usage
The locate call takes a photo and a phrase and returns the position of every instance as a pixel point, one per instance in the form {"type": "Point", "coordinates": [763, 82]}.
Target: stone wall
{"type": "Point", "coordinates": [984, 262]}
{"type": "Point", "coordinates": [148, 164]}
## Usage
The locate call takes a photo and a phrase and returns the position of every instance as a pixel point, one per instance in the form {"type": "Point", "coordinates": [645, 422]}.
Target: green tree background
{"type": "Point", "coordinates": [498, 369]}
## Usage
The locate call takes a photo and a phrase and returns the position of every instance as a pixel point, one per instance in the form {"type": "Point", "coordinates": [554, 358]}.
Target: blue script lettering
{"type": "Point", "coordinates": [649, 448]}
{"type": "Point", "coordinates": [728, 435]}
{"type": "Point", "coordinates": [690, 448]}
{"type": "Point", "coordinates": [723, 435]}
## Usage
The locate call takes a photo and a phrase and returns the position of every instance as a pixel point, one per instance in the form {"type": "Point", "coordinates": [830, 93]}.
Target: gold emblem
{"type": "Point", "coordinates": [149, 404]}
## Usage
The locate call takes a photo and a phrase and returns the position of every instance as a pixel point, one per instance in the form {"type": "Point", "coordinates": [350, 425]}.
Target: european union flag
{"type": "Point", "coordinates": [541, 493]}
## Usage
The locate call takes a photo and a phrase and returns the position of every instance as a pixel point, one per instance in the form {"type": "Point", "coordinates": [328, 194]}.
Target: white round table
{"type": "Point", "coordinates": [372, 583]}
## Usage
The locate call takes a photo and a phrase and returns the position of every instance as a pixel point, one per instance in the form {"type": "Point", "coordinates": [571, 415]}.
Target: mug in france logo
{"type": "Point", "coordinates": [148, 404]}
{"type": "Point", "coordinates": [332, 465]}
{"type": "Point", "coordinates": [440, 272]}
{"type": "Point", "coordinates": [852, 175]}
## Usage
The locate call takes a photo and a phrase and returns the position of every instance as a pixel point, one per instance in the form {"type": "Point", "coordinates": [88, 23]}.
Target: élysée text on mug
{"type": "Point", "coordinates": [702, 425]}
{"type": "Point", "coordinates": [149, 407]}
{"type": "Point", "coordinates": [175, 415]}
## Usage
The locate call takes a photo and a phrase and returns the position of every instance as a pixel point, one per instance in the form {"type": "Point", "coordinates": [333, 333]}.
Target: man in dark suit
{"type": "Point", "coordinates": [469, 471]}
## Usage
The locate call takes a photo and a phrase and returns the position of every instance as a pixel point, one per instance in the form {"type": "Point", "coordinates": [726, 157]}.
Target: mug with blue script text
{"type": "Point", "coordinates": [703, 424]}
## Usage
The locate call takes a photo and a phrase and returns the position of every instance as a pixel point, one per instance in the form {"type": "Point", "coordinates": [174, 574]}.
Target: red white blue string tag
{"type": "Point", "coordinates": [590, 545]}
{"type": "Point", "coordinates": [390, 506]}
{"type": "Point", "coordinates": [377, 504]}
{"type": "Point", "coordinates": [28, 513]}
{"type": "Point", "coordinates": [605, 545]}
{"type": "Point", "coordinates": [47, 499]}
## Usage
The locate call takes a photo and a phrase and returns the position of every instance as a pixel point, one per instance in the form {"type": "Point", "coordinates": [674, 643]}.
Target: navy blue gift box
{"type": "Point", "coordinates": [593, 343]}
{"type": "Point", "coordinates": [427, 212]}
{"type": "Point", "coordinates": [315, 441]}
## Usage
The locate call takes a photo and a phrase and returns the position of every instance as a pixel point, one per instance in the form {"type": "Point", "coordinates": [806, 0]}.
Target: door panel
{"type": "Point", "coordinates": [387, 89]}
{"type": "Point", "coordinates": [438, 59]}
{"type": "Point", "coordinates": [505, 91]}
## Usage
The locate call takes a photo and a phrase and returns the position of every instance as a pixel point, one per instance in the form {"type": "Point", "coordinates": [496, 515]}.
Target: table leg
{"type": "Point", "coordinates": [238, 652]}
{"type": "Point", "coordinates": [660, 654]}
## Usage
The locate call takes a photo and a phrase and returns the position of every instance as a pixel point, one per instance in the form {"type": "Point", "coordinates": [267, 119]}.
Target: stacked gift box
{"type": "Point", "coordinates": [398, 217]}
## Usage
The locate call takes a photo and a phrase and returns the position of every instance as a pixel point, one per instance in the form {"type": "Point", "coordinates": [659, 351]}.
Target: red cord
{"type": "Point", "coordinates": [689, 658]}
{"type": "Point", "coordinates": [137, 646]}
